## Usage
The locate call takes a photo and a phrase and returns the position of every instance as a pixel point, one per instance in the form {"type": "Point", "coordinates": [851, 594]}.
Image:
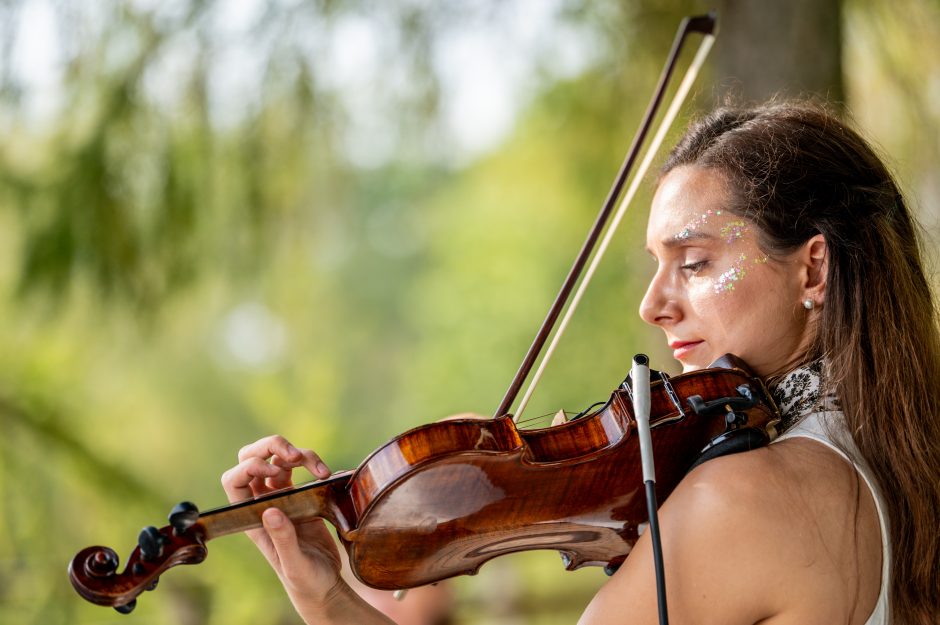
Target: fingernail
{"type": "Point", "coordinates": [321, 468]}
{"type": "Point", "coordinates": [273, 518]}
{"type": "Point", "coordinates": [293, 451]}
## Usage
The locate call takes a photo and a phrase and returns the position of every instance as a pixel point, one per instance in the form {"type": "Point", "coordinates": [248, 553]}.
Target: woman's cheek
{"type": "Point", "coordinates": [702, 294]}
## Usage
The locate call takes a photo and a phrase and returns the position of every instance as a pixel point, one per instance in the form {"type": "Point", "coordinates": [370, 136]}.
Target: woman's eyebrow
{"type": "Point", "coordinates": [683, 237]}
{"type": "Point", "coordinates": [684, 240]}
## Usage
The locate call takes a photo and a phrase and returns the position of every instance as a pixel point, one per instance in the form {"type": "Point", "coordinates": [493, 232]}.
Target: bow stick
{"type": "Point", "coordinates": [704, 24]}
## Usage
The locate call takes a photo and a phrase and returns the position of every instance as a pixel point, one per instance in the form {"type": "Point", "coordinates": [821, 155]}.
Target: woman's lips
{"type": "Point", "coordinates": [680, 349]}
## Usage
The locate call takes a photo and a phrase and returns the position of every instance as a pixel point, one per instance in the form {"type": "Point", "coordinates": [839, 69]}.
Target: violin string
{"type": "Point", "coordinates": [651, 151]}
{"type": "Point", "coordinates": [545, 418]}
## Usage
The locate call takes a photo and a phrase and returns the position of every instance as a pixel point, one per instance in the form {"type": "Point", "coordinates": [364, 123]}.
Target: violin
{"type": "Point", "coordinates": [442, 499]}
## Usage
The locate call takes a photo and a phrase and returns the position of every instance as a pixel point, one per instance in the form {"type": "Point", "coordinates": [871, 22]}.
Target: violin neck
{"type": "Point", "coordinates": [320, 499]}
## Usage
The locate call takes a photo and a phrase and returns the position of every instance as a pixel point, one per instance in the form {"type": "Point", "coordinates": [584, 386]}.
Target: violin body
{"type": "Point", "coordinates": [442, 499]}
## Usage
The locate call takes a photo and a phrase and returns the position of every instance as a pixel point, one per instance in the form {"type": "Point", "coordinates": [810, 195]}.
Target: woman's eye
{"type": "Point", "coordinates": [696, 266]}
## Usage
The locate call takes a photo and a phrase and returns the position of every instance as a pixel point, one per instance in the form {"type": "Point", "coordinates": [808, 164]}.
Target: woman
{"type": "Point", "coordinates": [779, 237]}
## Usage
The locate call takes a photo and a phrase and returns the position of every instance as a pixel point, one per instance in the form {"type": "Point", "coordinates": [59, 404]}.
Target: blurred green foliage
{"type": "Point", "coordinates": [184, 271]}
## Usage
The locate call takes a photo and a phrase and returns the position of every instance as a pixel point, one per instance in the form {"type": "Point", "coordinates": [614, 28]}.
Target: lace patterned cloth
{"type": "Point", "coordinates": [802, 392]}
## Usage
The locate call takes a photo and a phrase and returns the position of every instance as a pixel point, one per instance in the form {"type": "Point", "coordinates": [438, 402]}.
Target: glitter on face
{"type": "Point", "coordinates": [695, 224]}
{"type": "Point", "coordinates": [737, 272]}
{"type": "Point", "coordinates": [732, 231]}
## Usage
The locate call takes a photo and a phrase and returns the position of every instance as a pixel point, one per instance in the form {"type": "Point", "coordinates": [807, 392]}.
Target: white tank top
{"type": "Point", "coordinates": [799, 391]}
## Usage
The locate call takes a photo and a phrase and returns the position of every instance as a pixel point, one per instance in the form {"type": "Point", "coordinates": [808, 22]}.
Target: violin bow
{"type": "Point", "coordinates": [703, 24]}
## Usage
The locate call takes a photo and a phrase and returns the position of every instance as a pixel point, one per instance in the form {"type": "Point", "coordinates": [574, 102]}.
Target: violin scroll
{"type": "Point", "coordinates": [94, 570]}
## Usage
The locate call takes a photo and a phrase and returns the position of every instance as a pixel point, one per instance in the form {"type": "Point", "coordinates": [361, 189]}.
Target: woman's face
{"type": "Point", "coordinates": [715, 291]}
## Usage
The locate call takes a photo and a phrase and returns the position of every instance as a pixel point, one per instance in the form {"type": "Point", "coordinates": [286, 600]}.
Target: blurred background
{"type": "Point", "coordinates": [336, 220]}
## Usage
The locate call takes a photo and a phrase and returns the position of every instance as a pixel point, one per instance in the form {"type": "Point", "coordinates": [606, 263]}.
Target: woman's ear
{"type": "Point", "coordinates": [814, 256]}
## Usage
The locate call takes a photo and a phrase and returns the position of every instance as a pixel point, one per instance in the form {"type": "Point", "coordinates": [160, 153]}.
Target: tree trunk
{"type": "Point", "coordinates": [779, 47]}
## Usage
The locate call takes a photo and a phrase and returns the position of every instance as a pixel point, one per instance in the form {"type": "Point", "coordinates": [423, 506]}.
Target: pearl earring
{"type": "Point", "coordinates": [808, 304]}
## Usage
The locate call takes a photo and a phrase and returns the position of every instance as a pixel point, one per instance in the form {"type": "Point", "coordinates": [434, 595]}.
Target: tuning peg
{"type": "Point", "coordinates": [150, 542]}
{"type": "Point", "coordinates": [152, 585]}
{"type": "Point", "coordinates": [183, 516]}
{"type": "Point", "coordinates": [127, 608]}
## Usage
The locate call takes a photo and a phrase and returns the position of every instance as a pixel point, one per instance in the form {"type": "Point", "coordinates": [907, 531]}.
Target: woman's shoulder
{"type": "Point", "coordinates": [802, 524]}
{"type": "Point", "coordinates": [755, 537]}
{"type": "Point", "coordinates": [750, 511]}
{"type": "Point", "coordinates": [769, 480]}
{"type": "Point", "coordinates": [772, 479]}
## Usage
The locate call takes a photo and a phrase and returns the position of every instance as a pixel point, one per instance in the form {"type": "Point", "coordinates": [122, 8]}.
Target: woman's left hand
{"type": "Point", "coordinates": [303, 554]}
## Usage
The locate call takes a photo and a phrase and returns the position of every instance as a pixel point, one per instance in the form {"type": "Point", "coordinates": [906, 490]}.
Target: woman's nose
{"type": "Point", "coordinates": [657, 308]}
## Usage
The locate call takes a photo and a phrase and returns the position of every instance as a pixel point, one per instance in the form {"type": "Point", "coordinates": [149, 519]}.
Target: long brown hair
{"type": "Point", "coordinates": [796, 171]}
